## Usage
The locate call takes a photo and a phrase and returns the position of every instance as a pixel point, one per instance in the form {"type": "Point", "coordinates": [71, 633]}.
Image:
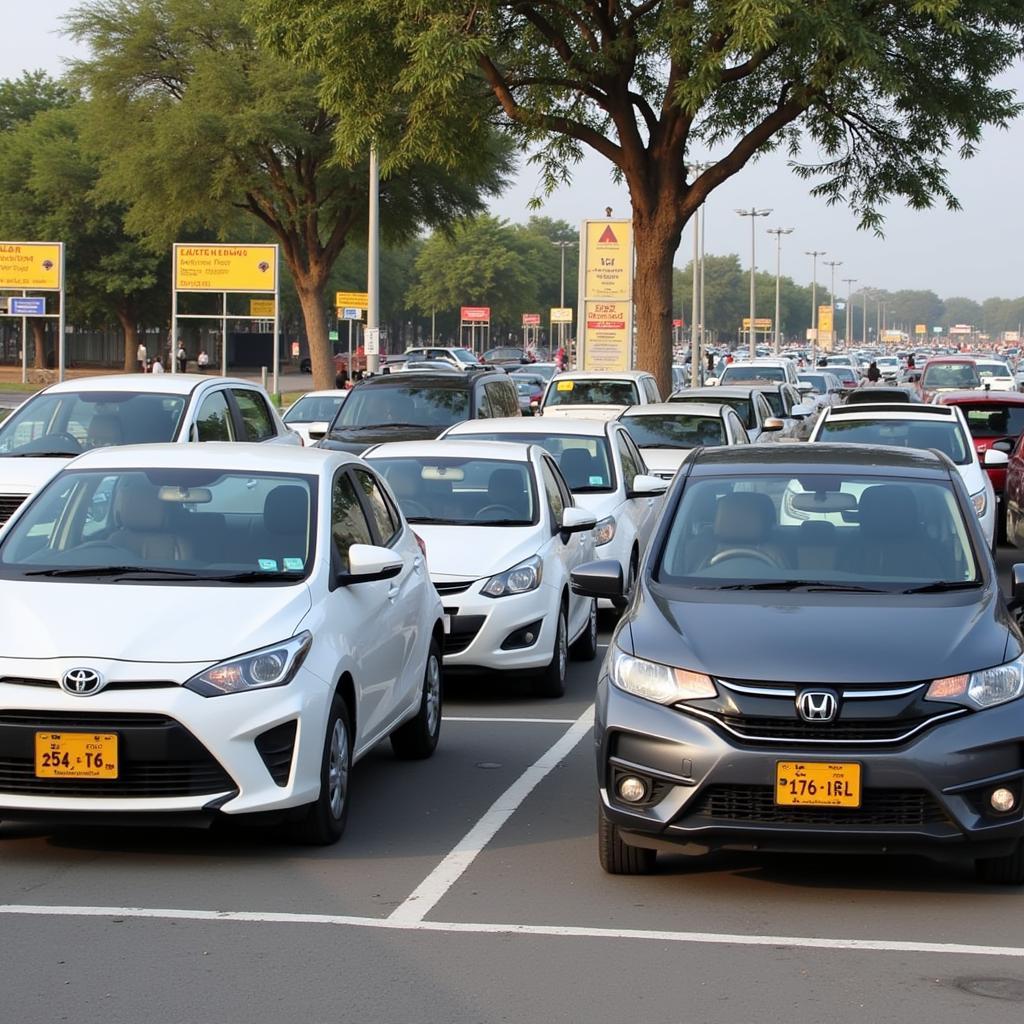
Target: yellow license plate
{"type": "Point", "coordinates": [76, 755]}
{"type": "Point", "coordinates": [817, 784]}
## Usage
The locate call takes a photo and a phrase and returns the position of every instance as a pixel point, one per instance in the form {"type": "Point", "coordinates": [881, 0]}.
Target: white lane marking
{"type": "Point", "coordinates": [514, 721]}
{"type": "Point", "coordinates": [427, 894]}
{"type": "Point", "coordinates": [554, 931]}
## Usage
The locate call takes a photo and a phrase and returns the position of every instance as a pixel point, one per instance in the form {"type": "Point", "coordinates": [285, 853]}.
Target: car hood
{"type": "Point", "coordinates": [585, 412]}
{"type": "Point", "coordinates": [823, 637]}
{"type": "Point", "coordinates": [473, 552]}
{"type": "Point", "coordinates": [145, 622]}
{"type": "Point", "coordinates": [27, 475]}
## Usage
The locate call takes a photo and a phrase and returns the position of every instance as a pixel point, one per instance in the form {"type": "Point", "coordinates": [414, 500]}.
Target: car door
{"type": "Point", "coordinates": [405, 592]}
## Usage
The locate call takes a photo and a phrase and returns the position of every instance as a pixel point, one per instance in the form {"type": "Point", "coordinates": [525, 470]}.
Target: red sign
{"type": "Point", "coordinates": [531, 319]}
{"type": "Point", "coordinates": [477, 314]}
{"type": "Point", "coordinates": [677, 323]}
{"type": "Point", "coordinates": [608, 237]}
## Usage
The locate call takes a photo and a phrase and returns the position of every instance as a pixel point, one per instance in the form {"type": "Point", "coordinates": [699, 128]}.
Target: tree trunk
{"type": "Point", "coordinates": [39, 341]}
{"type": "Point", "coordinates": [310, 289]}
{"type": "Point", "coordinates": [131, 339]}
{"type": "Point", "coordinates": [656, 239]}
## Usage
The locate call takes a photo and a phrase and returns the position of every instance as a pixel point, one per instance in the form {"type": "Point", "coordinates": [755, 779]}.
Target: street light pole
{"type": "Point", "coordinates": [695, 304]}
{"type": "Point", "coordinates": [849, 282]}
{"type": "Point", "coordinates": [864, 324]}
{"type": "Point", "coordinates": [561, 290]}
{"type": "Point", "coordinates": [832, 297]}
{"type": "Point", "coordinates": [373, 261]}
{"type": "Point", "coordinates": [753, 213]}
{"type": "Point", "coordinates": [778, 233]}
{"type": "Point", "coordinates": [815, 253]}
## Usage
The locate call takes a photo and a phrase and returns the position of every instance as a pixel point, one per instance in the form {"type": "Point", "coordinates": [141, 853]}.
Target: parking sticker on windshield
{"type": "Point", "coordinates": [565, 385]}
{"type": "Point", "coordinates": [268, 564]}
{"type": "Point", "coordinates": [596, 481]}
{"type": "Point", "coordinates": [293, 564]}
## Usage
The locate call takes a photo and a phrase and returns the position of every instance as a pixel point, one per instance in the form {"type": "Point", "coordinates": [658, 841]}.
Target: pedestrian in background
{"type": "Point", "coordinates": [182, 356]}
{"type": "Point", "coordinates": [141, 356]}
{"type": "Point", "coordinates": [158, 367]}
{"type": "Point", "coordinates": [202, 360]}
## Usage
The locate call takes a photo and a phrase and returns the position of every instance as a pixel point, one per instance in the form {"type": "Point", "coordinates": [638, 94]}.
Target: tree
{"type": "Point", "coordinates": [22, 98]}
{"type": "Point", "coordinates": [912, 307]}
{"type": "Point", "coordinates": [198, 121]}
{"type": "Point", "coordinates": [880, 92]}
{"type": "Point", "coordinates": [960, 310]}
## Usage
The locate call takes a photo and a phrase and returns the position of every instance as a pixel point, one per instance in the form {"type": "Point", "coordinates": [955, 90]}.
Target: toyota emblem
{"type": "Point", "coordinates": [81, 682]}
{"type": "Point", "coordinates": [817, 706]}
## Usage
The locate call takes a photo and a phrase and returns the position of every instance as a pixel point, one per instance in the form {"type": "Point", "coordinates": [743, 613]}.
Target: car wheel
{"type": "Point", "coordinates": [324, 820]}
{"type": "Point", "coordinates": [627, 588]}
{"type": "Point", "coordinates": [1008, 870]}
{"type": "Point", "coordinates": [585, 646]}
{"type": "Point", "coordinates": [616, 857]}
{"type": "Point", "coordinates": [551, 682]}
{"type": "Point", "coordinates": [417, 738]}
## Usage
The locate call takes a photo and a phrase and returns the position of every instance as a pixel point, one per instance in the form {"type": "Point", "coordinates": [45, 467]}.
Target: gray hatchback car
{"type": "Point", "coordinates": [817, 656]}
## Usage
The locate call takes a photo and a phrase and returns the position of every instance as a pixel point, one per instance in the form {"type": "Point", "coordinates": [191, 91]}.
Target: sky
{"type": "Point", "coordinates": [976, 252]}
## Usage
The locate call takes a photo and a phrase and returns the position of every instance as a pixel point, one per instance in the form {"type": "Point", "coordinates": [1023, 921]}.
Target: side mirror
{"type": "Point", "coordinates": [599, 579]}
{"type": "Point", "coordinates": [1005, 445]}
{"type": "Point", "coordinates": [645, 486]}
{"type": "Point", "coordinates": [804, 386]}
{"type": "Point", "coordinates": [801, 411]}
{"type": "Point", "coordinates": [773, 423]}
{"type": "Point", "coordinates": [577, 520]}
{"type": "Point", "coordinates": [711, 382]}
{"type": "Point", "coordinates": [994, 457]}
{"type": "Point", "coordinates": [368, 563]}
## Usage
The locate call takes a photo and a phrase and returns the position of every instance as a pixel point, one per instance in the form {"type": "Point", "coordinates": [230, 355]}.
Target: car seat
{"type": "Point", "coordinates": [141, 524]}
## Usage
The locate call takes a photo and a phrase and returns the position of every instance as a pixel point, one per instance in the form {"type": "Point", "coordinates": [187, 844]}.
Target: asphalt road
{"type": "Point", "coordinates": [467, 889]}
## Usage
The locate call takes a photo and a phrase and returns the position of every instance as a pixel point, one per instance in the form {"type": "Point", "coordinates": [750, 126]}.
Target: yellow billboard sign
{"type": "Point", "coordinates": [262, 308]}
{"type": "Point", "coordinates": [920, 328]}
{"type": "Point", "coordinates": [225, 268]}
{"type": "Point", "coordinates": [760, 323]}
{"type": "Point", "coordinates": [824, 321]}
{"type": "Point", "coordinates": [608, 342]}
{"type": "Point", "coordinates": [30, 265]}
{"type": "Point", "coordinates": [351, 300]}
{"type": "Point", "coordinates": [561, 314]}
{"type": "Point", "coordinates": [608, 259]}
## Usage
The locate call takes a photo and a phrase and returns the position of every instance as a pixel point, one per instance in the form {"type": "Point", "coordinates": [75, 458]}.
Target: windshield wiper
{"type": "Point", "coordinates": [112, 570]}
{"type": "Point", "coordinates": [256, 576]}
{"type": "Point", "coordinates": [41, 455]}
{"type": "Point", "coordinates": [802, 585]}
{"type": "Point", "coordinates": [941, 586]}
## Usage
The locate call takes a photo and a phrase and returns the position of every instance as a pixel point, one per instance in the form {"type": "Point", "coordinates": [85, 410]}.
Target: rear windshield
{"type": "Point", "coordinates": [947, 436]}
{"type": "Point", "coordinates": [592, 392]}
{"type": "Point", "coordinates": [993, 370]}
{"type": "Point", "coordinates": [405, 404]}
{"type": "Point", "coordinates": [675, 431]}
{"type": "Point", "coordinates": [991, 419]}
{"type": "Point", "coordinates": [743, 407]}
{"type": "Point", "coordinates": [951, 375]}
{"type": "Point", "coordinates": [314, 409]}
{"type": "Point", "coordinates": [736, 372]}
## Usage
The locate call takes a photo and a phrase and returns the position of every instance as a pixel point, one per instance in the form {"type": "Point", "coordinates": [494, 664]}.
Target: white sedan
{"type": "Point", "coordinates": [502, 534]}
{"type": "Point", "coordinates": [211, 629]}
{"type": "Point", "coordinates": [605, 472]}
{"type": "Point", "coordinates": [312, 415]}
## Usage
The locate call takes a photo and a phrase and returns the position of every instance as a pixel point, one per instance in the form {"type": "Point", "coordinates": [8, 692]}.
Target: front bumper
{"type": "Point", "coordinates": [924, 795]}
{"type": "Point", "coordinates": [179, 753]}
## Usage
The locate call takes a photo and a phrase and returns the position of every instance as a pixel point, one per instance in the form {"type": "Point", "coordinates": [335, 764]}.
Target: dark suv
{"type": "Point", "coordinates": [418, 406]}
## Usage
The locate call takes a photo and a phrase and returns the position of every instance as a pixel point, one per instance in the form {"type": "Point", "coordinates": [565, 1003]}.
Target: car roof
{"type": "Point", "coordinates": [949, 359]}
{"type": "Point", "coordinates": [869, 459]}
{"type": "Point", "coordinates": [509, 451]}
{"type": "Point", "coordinates": [601, 375]}
{"type": "Point", "coordinates": [417, 378]}
{"type": "Point", "coordinates": [548, 426]}
{"type": "Point", "coordinates": [964, 397]}
{"type": "Point", "coordinates": [729, 390]}
{"type": "Point", "coordinates": [763, 361]}
{"type": "Point", "coordinates": [328, 393]}
{"type": "Point", "coordinates": [892, 410]}
{"type": "Point", "coordinates": [672, 409]}
{"type": "Point", "coordinates": [230, 455]}
{"type": "Point", "coordinates": [158, 383]}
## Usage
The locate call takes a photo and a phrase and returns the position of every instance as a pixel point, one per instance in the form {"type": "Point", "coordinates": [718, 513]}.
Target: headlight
{"type": "Point", "coordinates": [258, 670]}
{"type": "Point", "coordinates": [519, 579]}
{"type": "Point", "coordinates": [661, 683]}
{"type": "Point", "coordinates": [982, 689]}
{"type": "Point", "coordinates": [980, 503]}
{"type": "Point", "coordinates": [604, 531]}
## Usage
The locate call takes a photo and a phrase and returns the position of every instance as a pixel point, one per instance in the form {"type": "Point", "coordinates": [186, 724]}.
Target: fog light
{"type": "Point", "coordinates": [632, 789]}
{"type": "Point", "coordinates": [1002, 800]}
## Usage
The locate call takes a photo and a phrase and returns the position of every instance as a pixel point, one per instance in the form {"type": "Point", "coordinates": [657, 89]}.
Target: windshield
{"type": "Point", "coordinates": [951, 375]}
{"type": "Point", "coordinates": [585, 462]}
{"type": "Point", "coordinates": [462, 492]}
{"type": "Point", "coordinates": [168, 524]}
{"type": "Point", "coordinates": [833, 530]}
{"type": "Point", "coordinates": [743, 407]}
{"type": "Point", "coordinates": [62, 423]}
{"type": "Point", "coordinates": [736, 372]}
{"type": "Point", "coordinates": [314, 409]}
{"type": "Point", "coordinates": [406, 404]}
{"type": "Point", "coordinates": [993, 370]}
{"type": "Point", "coordinates": [946, 436]}
{"type": "Point", "coordinates": [992, 419]}
{"type": "Point", "coordinates": [504, 353]}
{"type": "Point", "coordinates": [592, 392]}
{"type": "Point", "coordinates": [675, 431]}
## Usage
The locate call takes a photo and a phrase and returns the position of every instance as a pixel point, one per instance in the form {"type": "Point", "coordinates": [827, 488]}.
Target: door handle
{"type": "Point", "coordinates": [393, 591]}
{"type": "Point", "coordinates": [417, 564]}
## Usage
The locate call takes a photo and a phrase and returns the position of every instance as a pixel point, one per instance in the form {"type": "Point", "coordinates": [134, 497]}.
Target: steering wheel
{"type": "Point", "coordinates": [761, 556]}
{"type": "Point", "coordinates": [414, 510]}
{"type": "Point", "coordinates": [511, 512]}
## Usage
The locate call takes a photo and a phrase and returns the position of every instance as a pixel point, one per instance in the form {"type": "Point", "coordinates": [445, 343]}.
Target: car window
{"type": "Point", "coordinates": [395, 401]}
{"type": "Point", "coordinates": [674, 430]}
{"type": "Point", "coordinates": [651, 389]}
{"type": "Point", "coordinates": [588, 391]}
{"type": "Point", "coordinates": [994, 419]}
{"type": "Point", "coordinates": [946, 436]}
{"type": "Point", "coordinates": [259, 425]}
{"type": "Point", "coordinates": [348, 521]}
{"type": "Point", "coordinates": [763, 408]}
{"type": "Point", "coordinates": [774, 400]}
{"type": "Point", "coordinates": [314, 409]}
{"type": "Point", "coordinates": [502, 398]}
{"type": "Point", "coordinates": [739, 435]}
{"type": "Point", "coordinates": [213, 421]}
{"type": "Point", "coordinates": [951, 375]}
{"type": "Point", "coordinates": [630, 468]}
{"type": "Point", "coordinates": [386, 523]}
{"type": "Point", "coordinates": [737, 372]}
{"type": "Point", "coordinates": [556, 502]}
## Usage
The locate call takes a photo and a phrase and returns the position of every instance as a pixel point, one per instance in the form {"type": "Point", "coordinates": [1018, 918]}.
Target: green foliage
{"type": "Point", "coordinates": [35, 91]}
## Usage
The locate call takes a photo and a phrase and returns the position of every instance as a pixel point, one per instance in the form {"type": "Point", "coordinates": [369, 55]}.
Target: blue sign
{"type": "Point", "coordinates": [26, 307]}
{"type": "Point", "coordinates": [349, 313]}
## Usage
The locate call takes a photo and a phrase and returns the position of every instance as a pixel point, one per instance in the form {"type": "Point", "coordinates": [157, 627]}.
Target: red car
{"type": "Point", "coordinates": [947, 373]}
{"type": "Point", "coordinates": [995, 419]}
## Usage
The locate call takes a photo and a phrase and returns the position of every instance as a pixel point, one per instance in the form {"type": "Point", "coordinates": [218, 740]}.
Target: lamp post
{"type": "Point", "coordinates": [814, 253]}
{"type": "Point", "coordinates": [697, 284]}
{"type": "Point", "coordinates": [373, 262]}
{"type": "Point", "coordinates": [848, 332]}
{"type": "Point", "coordinates": [778, 233]}
{"type": "Point", "coordinates": [832, 297]}
{"type": "Point", "coordinates": [561, 289]}
{"type": "Point", "coordinates": [864, 324]}
{"type": "Point", "coordinates": [753, 213]}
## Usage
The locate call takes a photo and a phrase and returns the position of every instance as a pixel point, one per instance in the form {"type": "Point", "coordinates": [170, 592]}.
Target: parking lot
{"type": "Point", "coordinates": [467, 888]}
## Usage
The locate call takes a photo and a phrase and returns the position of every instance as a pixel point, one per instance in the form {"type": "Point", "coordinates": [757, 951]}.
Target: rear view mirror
{"type": "Point", "coordinates": [995, 457]}
{"type": "Point", "coordinates": [599, 579]}
{"type": "Point", "coordinates": [368, 563]}
{"type": "Point", "coordinates": [645, 486]}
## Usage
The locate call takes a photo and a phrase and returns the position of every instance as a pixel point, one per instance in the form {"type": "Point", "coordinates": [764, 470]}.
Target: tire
{"type": "Point", "coordinates": [417, 739]}
{"type": "Point", "coordinates": [325, 818]}
{"type": "Point", "coordinates": [1008, 870]}
{"type": "Point", "coordinates": [551, 681]}
{"type": "Point", "coordinates": [584, 648]}
{"type": "Point", "coordinates": [621, 602]}
{"type": "Point", "coordinates": [615, 856]}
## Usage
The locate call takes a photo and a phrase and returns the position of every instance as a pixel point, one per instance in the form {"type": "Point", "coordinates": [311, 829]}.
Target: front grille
{"type": "Point", "coordinates": [157, 757]}
{"type": "Point", "coordinates": [444, 589]}
{"type": "Point", "coordinates": [9, 504]}
{"type": "Point", "coordinates": [880, 808]}
{"type": "Point", "coordinates": [120, 684]}
{"type": "Point", "coordinates": [464, 629]}
{"type": "Point", "coordinates": [865, 730]}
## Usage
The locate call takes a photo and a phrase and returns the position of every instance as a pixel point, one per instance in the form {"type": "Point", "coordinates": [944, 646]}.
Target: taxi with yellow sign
{"type": "Point", "coordinates": [734, 712]}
